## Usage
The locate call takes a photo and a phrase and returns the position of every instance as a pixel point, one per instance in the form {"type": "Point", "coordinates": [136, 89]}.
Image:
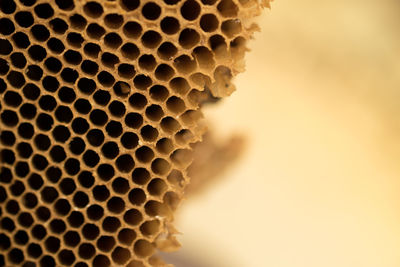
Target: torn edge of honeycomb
{"type": "Point", "coordinates": [159, 61]}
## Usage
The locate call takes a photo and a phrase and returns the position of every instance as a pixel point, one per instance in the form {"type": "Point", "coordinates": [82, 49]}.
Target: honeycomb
{"type": "Point", "coordinates": [99, 110]}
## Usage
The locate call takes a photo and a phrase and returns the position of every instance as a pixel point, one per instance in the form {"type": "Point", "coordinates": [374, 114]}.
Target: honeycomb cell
{"type": "Point", "coordinates": [91, 158]}
{"type": "Point", "coordinates": [90, 231]}
{"type": "Point", "coordinates": [7, 138]}
{"type": "Point", "coordinates": [75, 219]}
{"type": "Point", "coordinates": [66, 94]}
{"type": "Point", "coordinates": [47, 103]}
{"type": "Point", "coordinates": [55, 45]}
{"type": "Point", "coordinates": [47, 261]}
{"type": "Point", "coordinates": [80, 199]}
{"type": "Point", "coordinates": [150, 228]}
{"type": "Point", "coordinates": [35, 181]}
{"type": "Point", "coordinates": [154, 112]}
{"type": "Point", "coordinates": [121, 255]}
{"type": "Point", "coordinates": [95, 137]}
{"type": "Point", "coordinates": [77, 21]}
{"type": "Point", "coordinates": [112, 40]}
{"type": "Point", "coordinates": [143, 248]}
{"type": "Point", "coordinates": [67, 186]}
{"type": "Point", "coordinates": [93, 9]}
{"type": "Point", "coordinates": [105, 78]}
{"type": "Point", "coordinates": [39, 232]}
{"type": "Point", "coordinates": [7, 156]}
{"type": "Point", "coordinates": [149, 133]}
{"type": "Point", "coordinates": [132, 29]}
{"type": "Point", "coordinates": [73, 57]}
{"type": "Point", "coordinates": [105, 243]}
{"type": "Point", "coordinates": [86, 251]}
{"type": "Point", "coordinates": [24, 19]}
{"type": "Point", "coordinates": [16, 79]}
{"type": "Point", "coordinates": [167, 50]}
{"type": "Point", "coordinates": [57, 154]}
{"type": "Point", "coordinates": [151, 39]}
{"type": "Point", "coordinates": [53, 65]}
{"type": "Point", "coordinates": [190, 10]}
{"type": "Point", "coordinates": [189, 38]}
{"type": "Point", "coordinates": [80, 125]}
{"type": "Point", "coordinates": [75, 39]}
{"type": "Point", "coordinates": [147, 62]}
{"type": "Point", "coordinates": [40, 33]}
{"type": "Point", "coordinates": [34, 250]}
{"type": "Point", "coordinates": [169, 125]}
{"type": "Point", "coordinates": [176, 104]}
{"type": "Point", "coordinates": [133, 217]}
{"type": "Point", "coordinates": [114, 129]}
{"type": "Point", "coordinates": [101, 193]}
{"type": "Point", "coordinates": [231, 27]}
{"type": "Point", "coordinates": [12, 99]}
{"type": "Point", "coordinates": [21, 237]}
{"type": "Point", "coordinates": [114, 20]}
{"type": "Point", "coordinates": [72, 166]}
{"type": "Point", "coordinates": [185, 64]}
{"type": "Point", "coordinates": [140, 176]}
{"type": "Point", "coordinates": [7, 224]}
{"type": "Point", "coordinates": [52, 244]}
{"type": "Point", "coordinates": [109, 60]}
{"type": "Point", "coordinates": [9, 118]}
{"type": "Point", "coordinates": [4, 68]}
{"type": "Point", "coordinates": [18, 59]}
{"type": "Point", "coordinates": [144, 154]}
{"type": "Point", "coordinates": [59, 26]}
{"type": "Point", "coordinates": [69, 75]}
{"type": "Point", "coordinates": [57, 226]}
{"type": "Point", "coordinates": [130, 51]}
{"type": "Point", "coordinates": [101, 260]}
{"type": "Point", "coordinates": [227, 8]}
{"type": "Point", "coordinates": [65, 4]}
{"type": "Point", "coordinates": [125, 163]}
{"type": "Point", "coordinates": [170, 25]}
{"type": "Point", "coordinates": [105, 171]}
{"type": "Point", "coordinates": [164, 72]}
{"type": "Point", "coordinates": [72, 238]}
{"type": "Point", "coordinates": [95, 212]}
{"type": "Point", "coordinates": [42, 142]}
{"type": "Point", "coordinates": [92, 50]}
{"type": "Point", "coordinates": [21, 170]}
{"type": "Point", "coordinates": [21, 40]}
{"type": "Point", "coordinates": [165, 146]}
{"type": "Point", "coordinates": [7, 6]}
{"type": "Point", "coordinates": [16, 255]}
{"type": "Point", "coordinates": [28, 111]}
{"type": "Point", "coordinates": [95, 31]}
{"type": "Point", "coordinates": [86, 179]}
{"type": "Point", "coordinates": [111, 224]}
{"type": "Point", "coordinates": [6, 26]}
{"type": "Point", "coordinates": [159, 93]}
{"type": "Point", "coordinates": [66, 257]}
{"type": "Point", "coordinates": [5, 47]}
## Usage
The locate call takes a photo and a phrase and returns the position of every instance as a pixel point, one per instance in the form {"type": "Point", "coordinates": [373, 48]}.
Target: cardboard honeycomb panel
{"type": "Point", "coordinates": [100, 104]}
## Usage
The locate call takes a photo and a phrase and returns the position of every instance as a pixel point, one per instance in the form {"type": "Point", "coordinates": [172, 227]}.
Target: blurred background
{"type": "Point", "coordinates": [319, 181]}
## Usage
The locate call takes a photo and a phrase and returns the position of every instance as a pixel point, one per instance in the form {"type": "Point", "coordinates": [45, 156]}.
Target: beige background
{"type": "Point", "coordinates": [319, 183]}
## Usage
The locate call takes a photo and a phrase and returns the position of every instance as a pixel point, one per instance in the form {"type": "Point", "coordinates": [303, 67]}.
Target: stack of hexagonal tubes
{"type": "Point", "coordinates": [99, 107]}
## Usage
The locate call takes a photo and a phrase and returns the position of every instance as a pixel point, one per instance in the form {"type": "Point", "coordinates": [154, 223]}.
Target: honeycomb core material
{"type": "Point", "coordinates": [99, 108]}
